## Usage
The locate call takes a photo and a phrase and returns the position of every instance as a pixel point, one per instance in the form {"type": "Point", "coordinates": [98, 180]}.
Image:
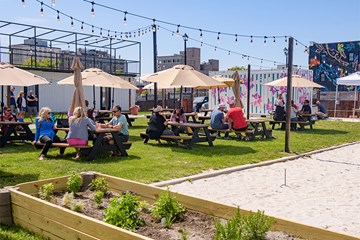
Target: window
{"type": "Point", "coordinates": [351, 57]}
{"type": "Point", "coordinates": [322, 77]}
{"type": "Point", "coordinates": [323, 58]}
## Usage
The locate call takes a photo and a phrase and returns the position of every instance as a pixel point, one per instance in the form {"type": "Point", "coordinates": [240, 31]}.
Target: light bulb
{"type": "Point", "coordinates": [125, 20]}
{"type": "Point", "coordinates": [53, 2]}
{"type": "Point", "coordinates": [23, 3]}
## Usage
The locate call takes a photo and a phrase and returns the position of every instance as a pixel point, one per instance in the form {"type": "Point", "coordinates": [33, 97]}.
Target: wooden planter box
{"type": "Point", "coordinates": [56, 222]}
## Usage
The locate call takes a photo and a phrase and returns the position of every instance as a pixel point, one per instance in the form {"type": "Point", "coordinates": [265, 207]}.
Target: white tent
{"type": "Point", "coordinates": [350, 80]}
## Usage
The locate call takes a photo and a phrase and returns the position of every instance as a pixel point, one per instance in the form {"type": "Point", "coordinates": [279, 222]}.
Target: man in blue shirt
{"type": "Point", "coordinates": [322, 111]}
{"type": "Point", "coordinates": [118, 122]}
{"type": "Point", "coordinates": [217, 120]}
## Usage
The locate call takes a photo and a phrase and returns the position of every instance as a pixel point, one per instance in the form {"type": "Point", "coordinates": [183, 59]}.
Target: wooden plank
{"type": "Point", "coordinates": [33, 187]}
{"type": "Point", "coordinates": [37, 230]}
{"type": "Point", "coordinates": [45, 224]}
{"type": "Point", "coordinates": [72, 219]}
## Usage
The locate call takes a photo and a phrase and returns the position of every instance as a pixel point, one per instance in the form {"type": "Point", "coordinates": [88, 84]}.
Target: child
{"type": "Point", "coordinates": [20, 116]}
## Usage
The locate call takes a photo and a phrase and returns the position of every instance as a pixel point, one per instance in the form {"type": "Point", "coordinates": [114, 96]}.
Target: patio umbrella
{"type": "Point", "coordinates": [236, 90]}
{"type": "Point", "coordinates": [350, 80]}
{"type": "Point", "coordinates": [226, 82]}
{"type": "Point", "coordinates": [182, 76]}
{"type": "Point", "coordinates": [97, 78]}
{"type": "Point", "coordinates": [78, 99]}
{"type": "Point", "coordinates": [13, 76]}
{"type": "Point", "coordinates": [297, 81]}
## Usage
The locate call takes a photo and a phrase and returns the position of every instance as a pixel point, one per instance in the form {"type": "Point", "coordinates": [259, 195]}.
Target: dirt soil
{"type": "Point", "coordinates": [198, 226]}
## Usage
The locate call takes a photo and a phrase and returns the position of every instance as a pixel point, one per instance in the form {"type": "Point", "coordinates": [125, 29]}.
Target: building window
{"type": "Point", "coordinates": [351, 57]}
{"type": "Point", "coordinates": [323, 58]}
{"type": "Point", "coordinates": [322, 77]}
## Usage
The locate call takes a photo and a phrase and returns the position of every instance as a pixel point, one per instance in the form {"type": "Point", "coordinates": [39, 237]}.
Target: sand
{"type": "Point", "coordinates": [322, 190]}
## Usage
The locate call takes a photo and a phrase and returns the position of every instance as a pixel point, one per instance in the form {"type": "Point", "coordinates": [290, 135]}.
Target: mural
{"type": "Point", "coordinates": [261, 97]}
{"type": "Point", "coordinates": [329, 61]}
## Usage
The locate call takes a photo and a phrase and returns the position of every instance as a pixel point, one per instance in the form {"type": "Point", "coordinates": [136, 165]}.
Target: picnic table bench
{"type": "Point", "coordinates": [301, 123]}
{"type": "Point", "coordinates": [248, 134]}
{"type": "Point", "coordinates": [16, 131]}
{"type": "Point", "coordinates": [146, 137]}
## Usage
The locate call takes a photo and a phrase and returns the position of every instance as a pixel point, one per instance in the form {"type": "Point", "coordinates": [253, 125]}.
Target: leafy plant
{"type": "Point", "coordinates": [98, 198]}
{"type": "Point", "coordinates": [99, 184]}
{"type": "Point", "coordinates": [74, 182]}
{"type": "Point", "coordinates": [166, 206]}
{"type": "Point", "coordinates": [253, 226]}
{"type": "Point", "coordinates": [77, 206]}
{"type": "Point", "coordinates": [124, 212]}
{"type": "Point", "coordinates": [184, 234]}
{"type": "Point", "coordinates": [46, 191]}
{"type": "Point", "coordinates": [68, 199]}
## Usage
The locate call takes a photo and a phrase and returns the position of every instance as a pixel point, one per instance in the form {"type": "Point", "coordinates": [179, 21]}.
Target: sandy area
{"type": "Point", "coordinates": [322, 190]}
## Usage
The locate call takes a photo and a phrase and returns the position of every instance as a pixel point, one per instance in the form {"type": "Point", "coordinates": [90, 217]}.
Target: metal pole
{"type": "Point", "coordinates": [155, 62]}
{"type": "Point", "coordinates": [85, 53]}
{"type": "Point", "coordinates": [248, 93]}
{"type": "Point", "coordinates": [336, 99]}
{"type": "Point", "coordinates": [185, 37]}
{"type": "Point", "coordinates": [288, 97]}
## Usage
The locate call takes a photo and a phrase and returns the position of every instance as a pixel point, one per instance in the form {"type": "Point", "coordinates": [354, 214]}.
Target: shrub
{"type": "Point", "coordinates": [46, 191]}
{"type": "Point", "coordinates": [68, 199]}
{"type": "Point", "coordinates": [168, 208]}
{"type": "Point", "coordinates": [99, 184]}
{"type": "Point", "coordinates": [74, 182]}
{"type": "Point", "coordinates": [77, 206]}
{"type": "Point", "coordinates": [124, 212]}
{"type": "Point", "coordinates": [98, 197]}
{"type": "Point", "coordinates": [253, 226]}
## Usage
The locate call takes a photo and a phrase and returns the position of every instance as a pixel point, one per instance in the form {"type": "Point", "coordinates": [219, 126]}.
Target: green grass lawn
{"type": "Point", "coordinates": [152, 162]}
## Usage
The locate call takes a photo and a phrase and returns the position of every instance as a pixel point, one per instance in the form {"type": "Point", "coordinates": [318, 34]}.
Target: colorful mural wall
{"type": "Point", "coordinates": [329, 61]}
{"type": "Point", "coordinates": [261, 97]}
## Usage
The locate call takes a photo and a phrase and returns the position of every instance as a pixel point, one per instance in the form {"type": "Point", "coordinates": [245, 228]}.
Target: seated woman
{"type": "Point", "coordinates": [78, 129]}
{"type": "Point", "coordinates": [178, 116]}
{"type": "Point", "coordinates": [7, 117]}
{"type": "Point", "coordinates": [157, 125]}
{"type": "Point", "coordinates": [45, 132]}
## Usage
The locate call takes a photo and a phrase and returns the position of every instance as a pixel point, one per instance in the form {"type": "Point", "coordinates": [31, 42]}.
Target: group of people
{"type": "Point", "coordinates": [79, 127]}
{"type": "Point", "coordinates": [297, 114]}
{"type": "Point", "coordinates": [21, 103]}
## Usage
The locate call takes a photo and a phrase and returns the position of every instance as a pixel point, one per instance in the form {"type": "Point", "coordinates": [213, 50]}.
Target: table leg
{"type": "Point", "coordinates": [96, 147]}
{"type": "Point", "coordinates": [267, 135]}
{"type": "Point", "coordinates": [208, 137]}
{"type": "Point", "coordinates": [6, 135]}
{"type": "Point", "coordinates": [119, 144]}
{"type": "Point", "coordinates": [128, 120]}
{"type": "Point", "coordinates": [29, 133]}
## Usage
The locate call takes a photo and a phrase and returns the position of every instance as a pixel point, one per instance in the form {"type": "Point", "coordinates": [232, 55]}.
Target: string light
{"type": "Point", "coordinates": [108, 33]}
{"type": "Point", "coordinates": [125, 20]}
{"type": "Point", "coordinates": [236, 39]}
{"type": "Point", "coordinates": [229, 53]}
{"type": "Point", "coordinates": [92, 28]}
{"type": "Point", "coordinates": [286, 39]}
{"type": "Point", "coordinates": [261, 61]}
{"type": "Point", "coordinates": [274, 41]}
{"type": "Point", "coordinates": [82, 26]}
{"type": "Point", "coordinates": [58, 16]}
{"type": "Point", "coordinates": [215, 48]}
{"type": "Point", "coordinates": [296, 43]}
{"type": "Point", "coordinates": [72, 22]}
{"type": "Point", "coordinates": [23, 3]}
{"type": "Point", "coordinates": [265, 37]}
{"type": "Point", "coordinates": [92, 9]}
{"type": "Point", "coordinates": [218, 37]}
{"type": "Point", "coordinates": [42, 9]}
{"type": "Point", "coordinates": [100, 32]}
{"type": "Point", "coordinates": [201, 34]}
{"type": "Point", "coordinates": [201, 44]}
{"type": "Point", "coordinates": [177, 30]}
{"type": "Point", "coordinates": [53, 3]}
{"type": "Point", "coordinates": [251, 40]}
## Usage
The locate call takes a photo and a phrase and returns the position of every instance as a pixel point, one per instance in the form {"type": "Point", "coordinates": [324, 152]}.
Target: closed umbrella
{"type": "Point", "coordinates": [13, 76]}
{"type": "Point", "coordinates": [350, 80]}
{"type": "Point", "coordinates": [78, 99]}
{"type": "Point", "coordinates": [236, 89]}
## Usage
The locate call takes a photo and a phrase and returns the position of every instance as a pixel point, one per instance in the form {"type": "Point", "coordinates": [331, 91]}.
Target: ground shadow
{"type": "Point", "coordinates": [322, 131]}
{"type": "Point", "coordinates": [10, 179]}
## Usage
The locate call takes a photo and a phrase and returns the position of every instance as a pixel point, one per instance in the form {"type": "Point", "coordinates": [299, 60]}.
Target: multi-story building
{"type": "Point", "coordinates": [192, 59]}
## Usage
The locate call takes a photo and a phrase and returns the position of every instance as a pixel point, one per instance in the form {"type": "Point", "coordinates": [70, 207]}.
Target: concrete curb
{"type": "Point", "coordinates": [243, 167]}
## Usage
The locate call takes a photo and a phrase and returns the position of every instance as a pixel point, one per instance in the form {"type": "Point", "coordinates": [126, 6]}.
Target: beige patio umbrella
{"type": "Point", "coordinates": [98, 78]}
{"type": "Point", "coordinates": [182, 76]}
{"type": "Point", "coordinates": [297, 81]}
{"type": "Point", "coordinates": [226, 82]}
{"type": "Point", "coordinates": [236, 89]}
{"type": "Point", "coordinates": [78, 99]}
{"type": "Point", "coordinates": [13, 76]}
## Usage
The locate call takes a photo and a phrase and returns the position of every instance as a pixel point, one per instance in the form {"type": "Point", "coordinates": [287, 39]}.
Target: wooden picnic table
{"type": "Point", "coordinates": [13, 134]}
{"type": "Point", "coordinates": [103, 119]}
{"type": "Point", "coordinates": [196, 136]}
{"type": "Point", "coordinates": [202, 119]}
{"type": "Point", "coordinates": [260, 129]}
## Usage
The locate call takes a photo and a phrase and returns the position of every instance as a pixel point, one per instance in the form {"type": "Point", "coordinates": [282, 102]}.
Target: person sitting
{"type": "Point", "coordinates": [78, 129]}
{"type": "Point", "coordinates": [293, 115]}
{"type": "Point", "coordinates": [7, 117]}
{"type": "Point", "coordinates": [45, 132]}
{"type": "Point", "coordinates": [118, 122]}
{"type": "Point", "coordinates": [157, 125]}
{"type": "Point", "coordinates": [322, 111]}
{"type": "Point", "coordinates": [178, 115]}
{"type": "Point", "coordinates": [279, 114]}
{"type": "Point", "coordinates": [235, 117]}
{"type": "Point", "coordinates": [218, 120]}
{"type": "Point", "coordinates": [305, 113]}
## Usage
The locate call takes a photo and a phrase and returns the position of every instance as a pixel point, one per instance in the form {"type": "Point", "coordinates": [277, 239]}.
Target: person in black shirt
{"type": "Point", "coordinates": [32, 102]}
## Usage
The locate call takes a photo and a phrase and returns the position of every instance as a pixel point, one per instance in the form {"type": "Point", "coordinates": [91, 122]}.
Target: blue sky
{"type": "Point", "coordinates": [319, 21]}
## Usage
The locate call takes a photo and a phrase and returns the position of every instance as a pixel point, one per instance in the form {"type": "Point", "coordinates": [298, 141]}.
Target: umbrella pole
{"type": "Point", "coordinates": [354, 102]}
{"type": "Point", "coordinates": [174, 98]}
{"type": "Point", "coordinates": [113, 96]}
{"type": "Point", "coordinates": [2, 100]}
{"type": "Point", "coordinates": [94, 101]}
{"type": "Point", "coordinates": [218, 89]}
{"type": "Point", "coordinates": [336, 99]}
{"type": "Point", "coordinates": [181, 95]}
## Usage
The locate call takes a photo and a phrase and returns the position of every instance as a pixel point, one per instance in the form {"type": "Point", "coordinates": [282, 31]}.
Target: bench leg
{"type": "Point", "coordinates": [146, 139]}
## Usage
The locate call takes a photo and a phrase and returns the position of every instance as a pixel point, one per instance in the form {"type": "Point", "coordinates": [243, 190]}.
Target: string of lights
{"type": "Point", "coordinates": [102, 31]}
{"type": "Point", "coordinates": [248, 57]}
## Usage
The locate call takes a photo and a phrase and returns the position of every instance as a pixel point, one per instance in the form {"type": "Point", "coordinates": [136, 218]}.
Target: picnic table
{"type": "Point", "coordinates": [196, 135]}
{"type": "Point", "coordinates": [202, 119]}
{"type": "Point", "coordinates": [260, 129]}
{"type": "Point", "coordinates": [14, 132]}
{"type": "Point", "coordinates": [125, 113]}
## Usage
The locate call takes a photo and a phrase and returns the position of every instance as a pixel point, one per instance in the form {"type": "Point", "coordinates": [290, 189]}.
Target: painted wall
{"type": "Point", "coordinates": [261, 97]}
{"type": "Point", "coordinates": [329, 61]}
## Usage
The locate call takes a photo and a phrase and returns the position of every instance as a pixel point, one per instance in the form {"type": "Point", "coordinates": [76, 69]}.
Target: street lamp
{"type": "Point", "coordinates": [286, 51]}
{"type": "Point", "coordinates": [186, 38]}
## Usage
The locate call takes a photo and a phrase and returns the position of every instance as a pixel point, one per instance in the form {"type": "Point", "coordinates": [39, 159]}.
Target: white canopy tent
{"type": "Point", "coordinates": [350, 80]}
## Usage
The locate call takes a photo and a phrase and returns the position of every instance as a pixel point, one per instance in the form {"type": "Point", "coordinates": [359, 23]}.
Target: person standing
{"type": "Point", "coordinates": [12, 100]}
{"type": "Point", "coordinates": [279, 114]}
{"type": "Point", "coordinates": [32, 102]}
{"type": "Point", "coordinates": [21, 104]}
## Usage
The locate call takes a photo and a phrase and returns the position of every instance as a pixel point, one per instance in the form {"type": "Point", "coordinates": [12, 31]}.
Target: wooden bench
{"type": "Point", "coordinates": [248, 134]}
{"type": "Point", "coordinates": [66, 145]}
{"type": "Point", "coordinates": [146, 137]}
{"type": "Point", "coordinates": [301, 123]}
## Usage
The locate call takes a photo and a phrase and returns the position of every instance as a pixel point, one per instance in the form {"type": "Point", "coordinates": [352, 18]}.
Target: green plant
{"type": "Point", "coordinates": [257, 225]}
{"type": "Point", "coordinates": [167, 207]}
{"type": "Point", "coordinates": [74, 182]}
{"type": "Point", "coordinates": [99, 184]}
{"type": "Point", "coordinates": [77, 206]}
{"type": "Point", "coordinates": [46, 191]}
{"type": "Point", "coordinates": [124, 212]}
{"type": "Point", "coordinates": [98, 198]}
{"type": "Point", "coordinates": [253, 226]}
{"type": "Point", "coordinates": [184, 234]}
{"type": "Point", "coordinates": [68, 199]}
